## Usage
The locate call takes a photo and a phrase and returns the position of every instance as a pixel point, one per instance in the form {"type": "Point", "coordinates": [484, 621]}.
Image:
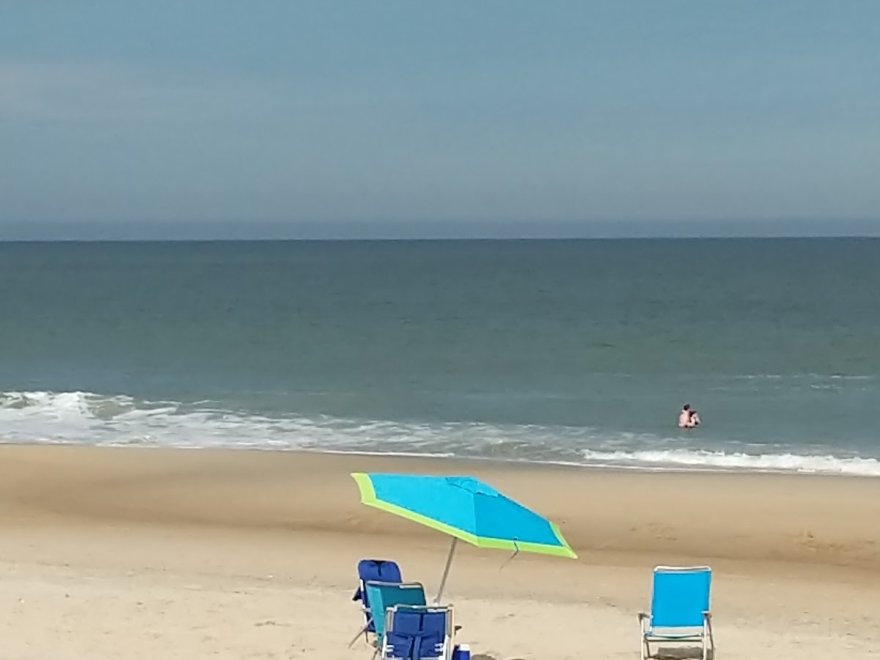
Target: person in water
{"type": "Point", "coordinates": [688, 418]}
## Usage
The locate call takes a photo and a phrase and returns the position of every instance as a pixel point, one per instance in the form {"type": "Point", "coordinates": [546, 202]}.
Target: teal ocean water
{"type": "Point", "coordinates": [558, 351]}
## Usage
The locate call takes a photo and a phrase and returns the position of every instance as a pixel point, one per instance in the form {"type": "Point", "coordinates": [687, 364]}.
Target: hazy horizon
{"type": "Point", "coordinates": [39, 232]}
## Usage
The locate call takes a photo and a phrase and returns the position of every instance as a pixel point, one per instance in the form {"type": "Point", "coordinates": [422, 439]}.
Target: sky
{"type": "Point", "coordinates": [398, 118]}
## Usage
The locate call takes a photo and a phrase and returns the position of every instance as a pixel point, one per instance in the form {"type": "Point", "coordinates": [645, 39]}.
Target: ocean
{"type": "Point", "coordinates": [577, 352]}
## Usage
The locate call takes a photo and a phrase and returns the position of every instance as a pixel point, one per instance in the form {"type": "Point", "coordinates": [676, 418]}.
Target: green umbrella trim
{"type": "Point", "coordinates": [368, 497]}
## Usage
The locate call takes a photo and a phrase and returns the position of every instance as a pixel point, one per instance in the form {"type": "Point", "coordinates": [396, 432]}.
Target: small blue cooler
{"type": "Point", "coordinates": [461, 652]}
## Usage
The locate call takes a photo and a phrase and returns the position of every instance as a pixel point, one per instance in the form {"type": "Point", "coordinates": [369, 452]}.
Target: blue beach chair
{"type": "Point", "coordinates": [375, 570]}
{"type": "Point", "coordinates": [679, 609]}
{"type": "Point", "coordinates": [418, 633]}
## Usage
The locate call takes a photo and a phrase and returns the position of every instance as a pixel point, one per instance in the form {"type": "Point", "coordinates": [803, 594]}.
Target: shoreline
{"type": "Point", "coordinates": [672, 468]}
{"type": "Point", "coordinates": [602, 467]}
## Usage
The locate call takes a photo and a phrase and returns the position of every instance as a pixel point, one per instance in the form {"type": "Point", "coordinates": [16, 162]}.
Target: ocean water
{"type": "Point", "coordinates": [552, 351]}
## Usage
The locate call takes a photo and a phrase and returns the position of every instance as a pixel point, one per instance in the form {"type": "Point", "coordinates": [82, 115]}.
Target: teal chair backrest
{"type": "Point", "coordinates": [384, 595]}
{"type": "Point", "coordinates": [680, 596]}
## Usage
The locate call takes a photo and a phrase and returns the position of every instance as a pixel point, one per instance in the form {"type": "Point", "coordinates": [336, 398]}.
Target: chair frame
{"type": "Point", "coordinates": [703, 634]}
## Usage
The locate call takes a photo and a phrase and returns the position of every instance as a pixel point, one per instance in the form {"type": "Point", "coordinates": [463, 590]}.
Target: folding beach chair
{"type": "Point", "coordinates": [418, 633]}
{"type": "Point", "coordinates": [679, 609]}
{"type": "Point", "coordinates": [377, 570]}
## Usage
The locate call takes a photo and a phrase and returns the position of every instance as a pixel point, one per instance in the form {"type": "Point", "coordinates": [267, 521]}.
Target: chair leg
{"type": "Point", "coordinates": [644, 649]}
{"type": "Point", "coordinates": [711, 652]}
{"type": "Point", "coordinates": [362, 631]}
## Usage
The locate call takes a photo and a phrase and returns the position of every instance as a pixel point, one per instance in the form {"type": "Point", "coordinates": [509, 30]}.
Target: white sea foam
{"type": "Point", "coordinates": [719, 460]}
{"type": "Point", "coordinates": [87, 418]}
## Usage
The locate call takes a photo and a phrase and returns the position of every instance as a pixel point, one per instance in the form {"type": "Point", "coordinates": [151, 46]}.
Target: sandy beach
{"type": "Point", "coordinates": [143, 553]}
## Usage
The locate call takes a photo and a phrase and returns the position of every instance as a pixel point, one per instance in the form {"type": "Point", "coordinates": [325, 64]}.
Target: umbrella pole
{"type": "Point", "coordinates": [446, 571]}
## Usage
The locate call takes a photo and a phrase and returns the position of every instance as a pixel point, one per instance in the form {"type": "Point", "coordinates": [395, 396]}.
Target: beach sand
{"type": "Point", "coordinates": [148, 553]}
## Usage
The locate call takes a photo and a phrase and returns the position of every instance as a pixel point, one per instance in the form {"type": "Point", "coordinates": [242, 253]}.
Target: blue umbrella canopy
{"type": "Point", "coordinates": [465, 508]}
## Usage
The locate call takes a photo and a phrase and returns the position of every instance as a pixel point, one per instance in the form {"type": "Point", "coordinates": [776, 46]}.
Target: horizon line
{"type": "Point", "coordinates": [449, 239]}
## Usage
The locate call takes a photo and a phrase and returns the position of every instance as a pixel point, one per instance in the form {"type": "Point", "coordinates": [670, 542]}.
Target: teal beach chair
{"type": "Point", "coordinates": [386, 595]}
{"type": "Point", "coordinates": [679, 609]}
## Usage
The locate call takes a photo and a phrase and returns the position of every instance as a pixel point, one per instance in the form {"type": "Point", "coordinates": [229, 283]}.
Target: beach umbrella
{"type": "Point", "coordinates": [465, 508]}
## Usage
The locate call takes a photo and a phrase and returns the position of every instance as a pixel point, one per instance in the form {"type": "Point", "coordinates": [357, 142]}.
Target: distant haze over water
{"type": "Point", "coordinates": [426, 228]}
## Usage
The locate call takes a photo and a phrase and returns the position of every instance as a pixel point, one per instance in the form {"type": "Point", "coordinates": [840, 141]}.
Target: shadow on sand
{"type": "Point", "coordinates": [680, 653]}
{"type": "Point", "coordinates": [669, 653]}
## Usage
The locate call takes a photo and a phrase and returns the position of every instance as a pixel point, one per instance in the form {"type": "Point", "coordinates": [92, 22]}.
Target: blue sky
{"type": "Point", "coordinates": [406, 118]}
